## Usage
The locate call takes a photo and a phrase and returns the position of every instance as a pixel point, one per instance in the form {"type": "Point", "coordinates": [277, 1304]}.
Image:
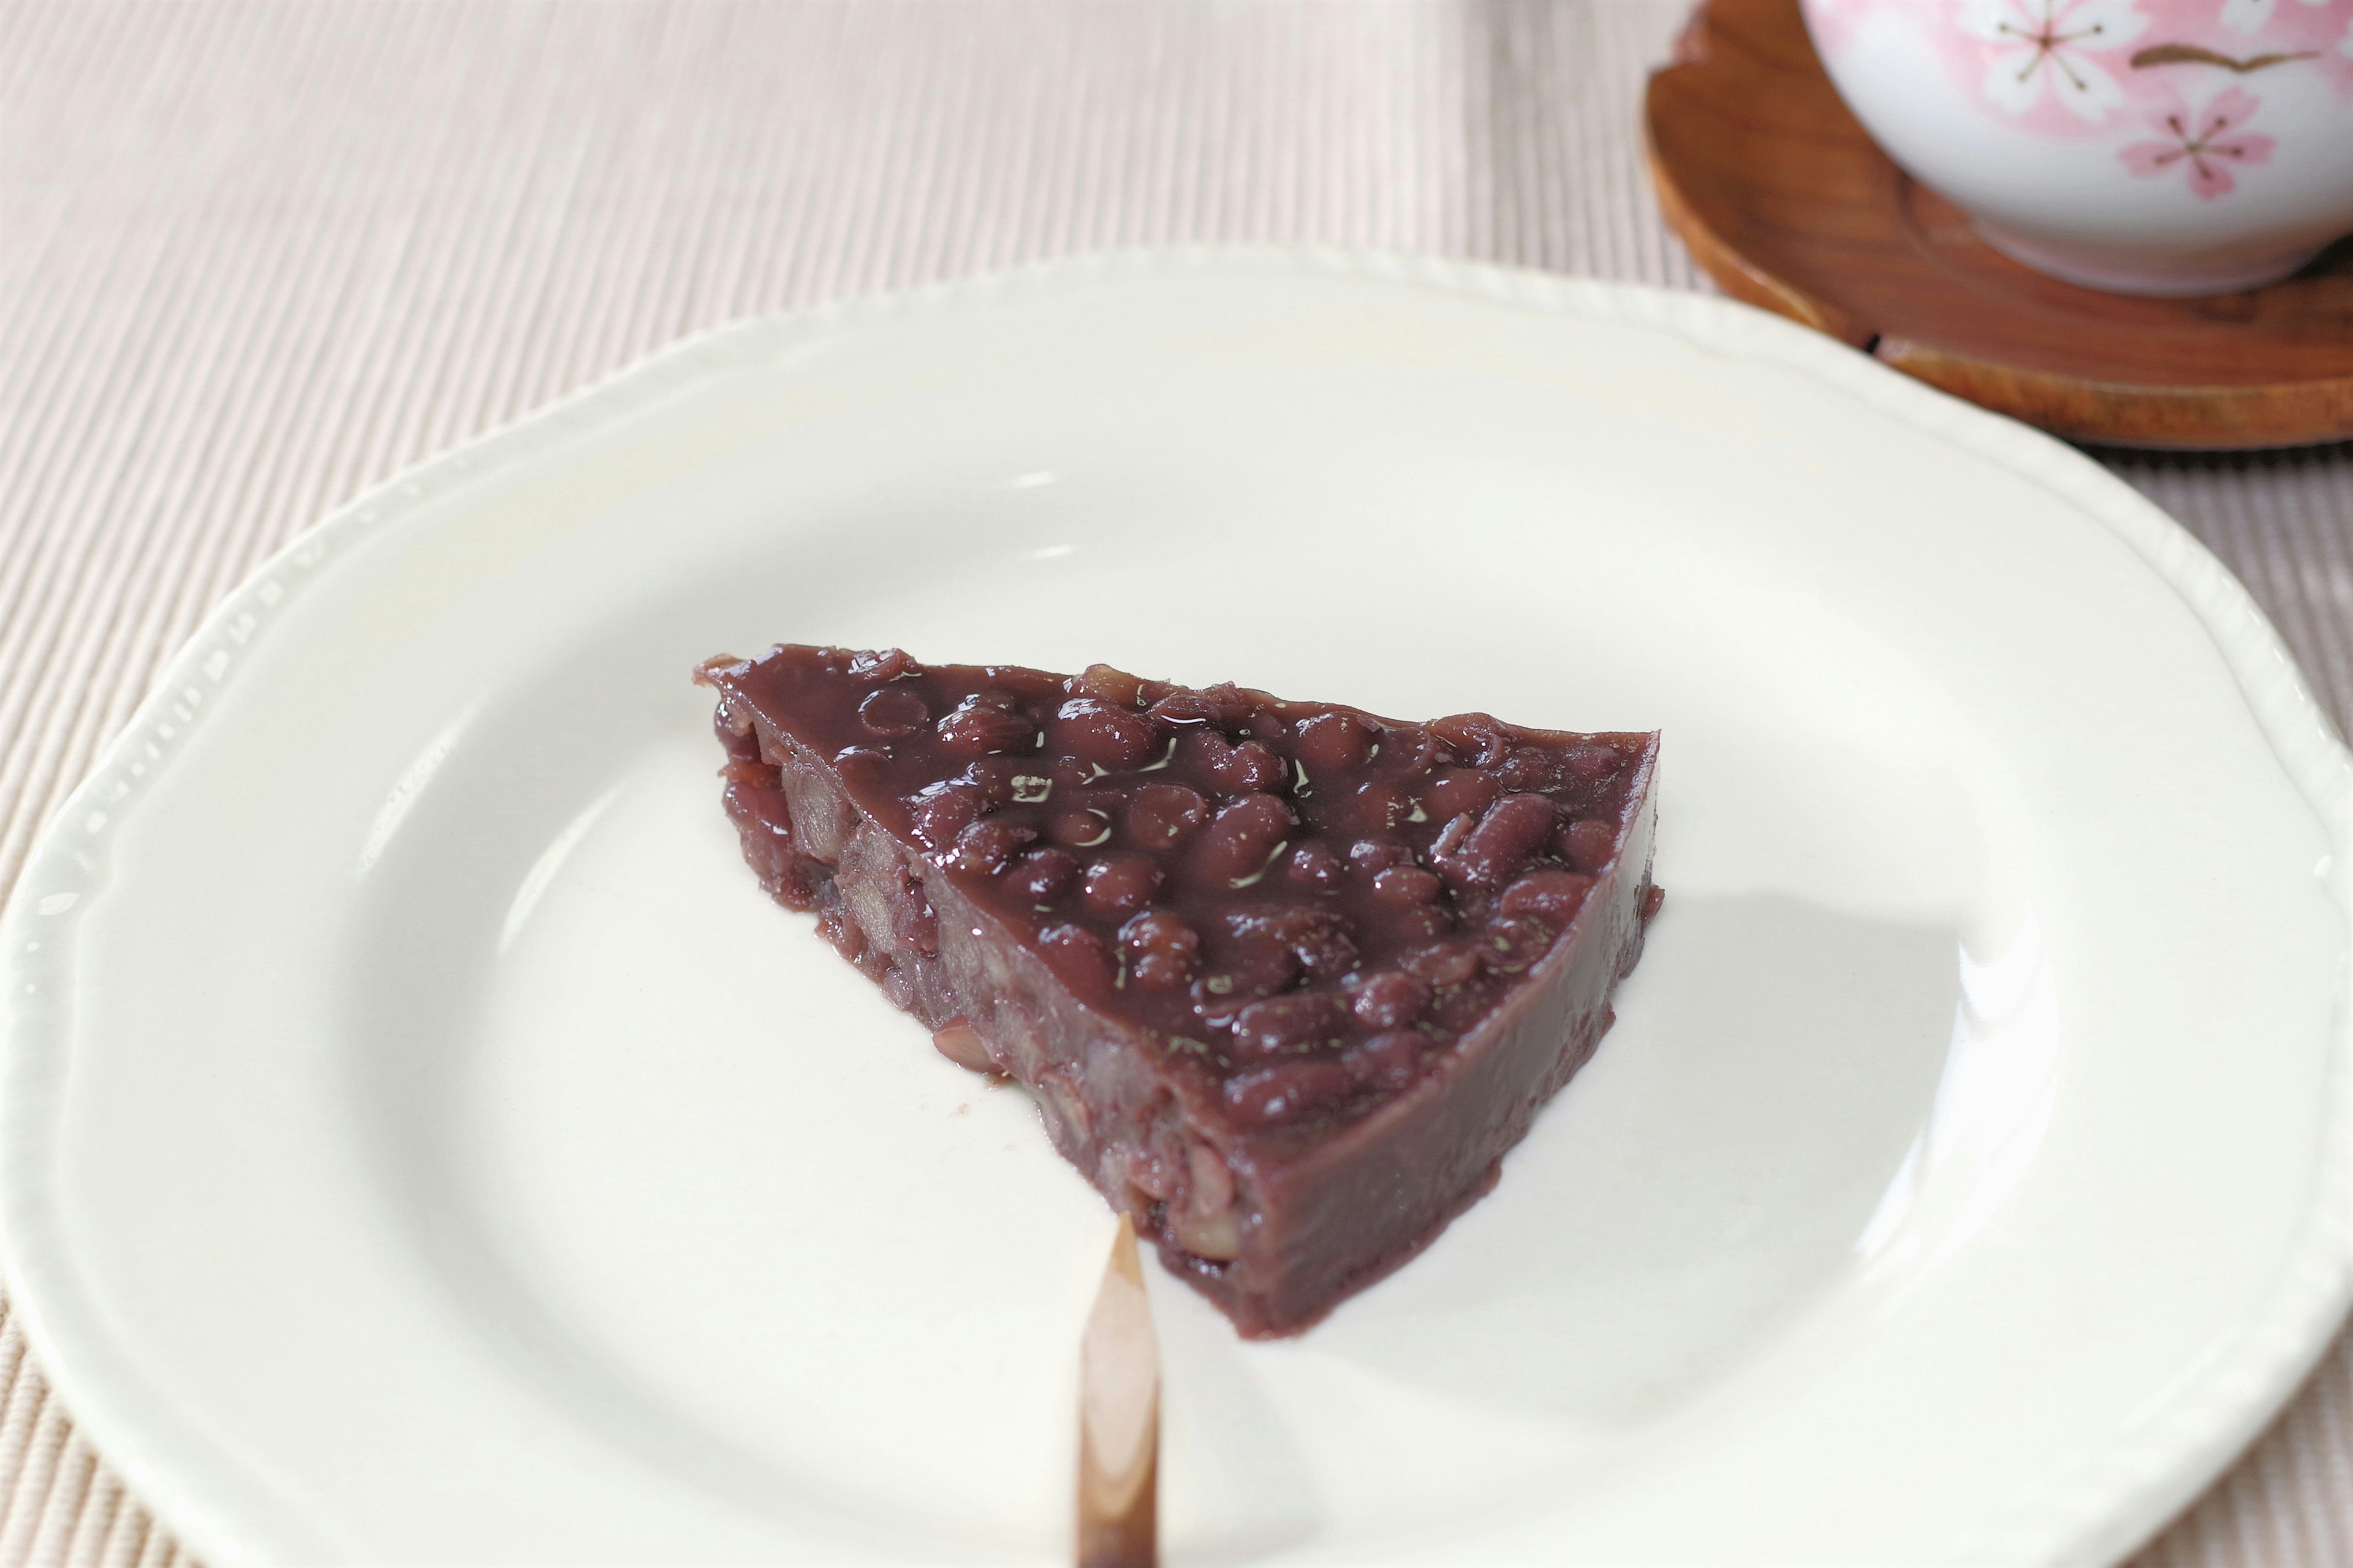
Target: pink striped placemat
{"type": "Point", "coordinates": [256, 256]}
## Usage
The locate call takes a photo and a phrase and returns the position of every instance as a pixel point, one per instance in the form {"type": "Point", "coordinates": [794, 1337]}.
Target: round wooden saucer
{"type": "Point", "coordinates": [1781, 196]}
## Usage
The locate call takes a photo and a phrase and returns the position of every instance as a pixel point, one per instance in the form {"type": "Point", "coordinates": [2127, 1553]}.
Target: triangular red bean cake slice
{"type": "Point", "coordinates": [1286, 979]}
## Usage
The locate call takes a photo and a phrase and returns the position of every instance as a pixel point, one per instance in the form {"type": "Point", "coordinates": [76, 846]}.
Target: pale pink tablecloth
{"type": "Point", "coordinates": [254, 257]}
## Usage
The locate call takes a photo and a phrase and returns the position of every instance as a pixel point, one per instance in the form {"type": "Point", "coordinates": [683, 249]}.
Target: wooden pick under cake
{"type": "Point", "coordinates": [1286, 979]}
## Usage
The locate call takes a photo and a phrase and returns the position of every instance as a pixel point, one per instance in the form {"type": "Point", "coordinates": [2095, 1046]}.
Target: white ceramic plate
{"type": "Point", "coordinates": [424, 1143]}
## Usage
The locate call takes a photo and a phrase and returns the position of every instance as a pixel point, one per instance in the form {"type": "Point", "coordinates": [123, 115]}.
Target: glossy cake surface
{"type": "Point", "coordinates": [1286, 978]}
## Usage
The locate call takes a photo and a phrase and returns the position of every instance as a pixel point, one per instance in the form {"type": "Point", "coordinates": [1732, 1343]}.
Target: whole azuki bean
{"type": "Point", "coordinates": [1513, 828]}
{"type": "Point", "coordinates": [1288, 1091]}
{"type": "Point", "coordinates": [961, 1043]}
{"type": "Point", "coordinates": [1247, 975]}
{"type": "Point", "coordinates": [1199, 746]}
{"type": "Point", "coordinates": [1220, 706]}
{"type": "Point", "coordinates": [1296, 1022]}
{"type": "Point", "coordinates": [1161, 816]}
{"type": "Point", "coordinates": [1332, 743]}
{"type": "Point", "coordinates": [987, 847]}
{"type": "Point", "coordinates": [1511, 944]}
{"type": "Point", "coordinates": [1204, 1224]}
{"type": "Point", "coordinates": [1587, 845]}
{"type": "Point", "coordinates": [1554, 897]}
{"type": "Point", "coordinates": [1442, 963]}
{"type": "Point", "coordinates": [886, 664]}
{"type": "Point", "coordinates": [893, 710]}
{"type": "Point", "coordinates": [1446, 849]}
{"type": "Point", "coordinates": [1216, 1236]}
{"type": "Point", "coordinates": [1371, 856]}
{"type": "Point", "coordinates": [1234, 848]}
{"type": "Point", "coordinates": [1113, 739]}
{"type": "Point", "coordinates": [1527, 769]}
{"type": "Point", "coordinates": [1314, 866]}
{"type": "Point", "coordinates": [1260, 963]}
{"type": "Point", "coordinates": [1106, 684]}
{"type": "Point", "coordinates": [943, 811]}
{"type": "Point", "coordinates": [978, 728]}
{"type": "Point", "coordinates": [1079, 956]}
{"type": "Point", "coordinates": [1018, 683]}
{"type": "Point", "coordinates": [1390, 1061]}
{"type": "Point", "coordinates": [1120, 885]}
{"type": "Point", "coordinates": [1408, 750]}
{"type": "Point", "coordinates": [1236, 769]}
{"type": "Point", "coordinates": [1162, 949]}
{"type": "Point", "coordinates": [992, 776]}
{"type": "Point", "coordinates": [1480, 737]}
{"type": "Point", "coordinates": [1040, 876]}
{"type": "Point", "coordinates": [1080, 827]}
{"type": "Point", "coordinates": [861, 764]}
{"type": "Point", "coordinates": [1324, 941]}
{"type": "Point", "coordinates": [1590, 762]}
{"type": "Point", "coordinates": [1260, 930]}
{"type": "Point", "coordinates": [1216, 999]}
{"type": "Point", "coordinates": [1238, 708]}
{"type": "Point", "coordinates": [1405, 885]}
{"type": "Point", "coordinates": [1390, 999]}
{"type": "Point", "coordinates": [1375, 808]}
{"type": "Point", "coordinates": [1183, 709]}
{"type": "Point", "coordinates": [1457, 789]}
{"type": "Point", "coordinates": [1212, 1179]}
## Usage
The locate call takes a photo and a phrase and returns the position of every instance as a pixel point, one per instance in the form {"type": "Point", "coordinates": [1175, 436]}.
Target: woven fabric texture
{"type": "Point", "coordinates": [255, 257]}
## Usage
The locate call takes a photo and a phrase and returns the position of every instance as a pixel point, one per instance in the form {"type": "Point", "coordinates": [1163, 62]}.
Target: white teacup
{"type": "Point", "coordinates": [2148, 146]}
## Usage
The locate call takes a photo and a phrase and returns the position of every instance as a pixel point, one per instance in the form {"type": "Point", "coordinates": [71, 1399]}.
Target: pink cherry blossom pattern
{"type": "Point", "coordinates": [2210, 150]}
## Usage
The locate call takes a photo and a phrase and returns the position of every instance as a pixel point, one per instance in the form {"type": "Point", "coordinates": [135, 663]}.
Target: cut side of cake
{"type": "Point", "coordinates": [1286, 979]}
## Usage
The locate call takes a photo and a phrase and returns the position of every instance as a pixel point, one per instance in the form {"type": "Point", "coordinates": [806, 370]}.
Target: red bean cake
{"type": "Point", "coordinates": [1285, 979]}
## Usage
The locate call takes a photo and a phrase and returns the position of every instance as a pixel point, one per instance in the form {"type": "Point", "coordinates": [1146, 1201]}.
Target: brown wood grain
{"type": "Point", "coordinates": [1786, 201]}
{"type": "Point", "coordinates": [1119, 1420]}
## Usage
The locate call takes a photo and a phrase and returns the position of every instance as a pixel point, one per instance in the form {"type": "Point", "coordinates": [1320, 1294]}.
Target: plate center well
{"type": "Point", "coordinates": [730, 1209]}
